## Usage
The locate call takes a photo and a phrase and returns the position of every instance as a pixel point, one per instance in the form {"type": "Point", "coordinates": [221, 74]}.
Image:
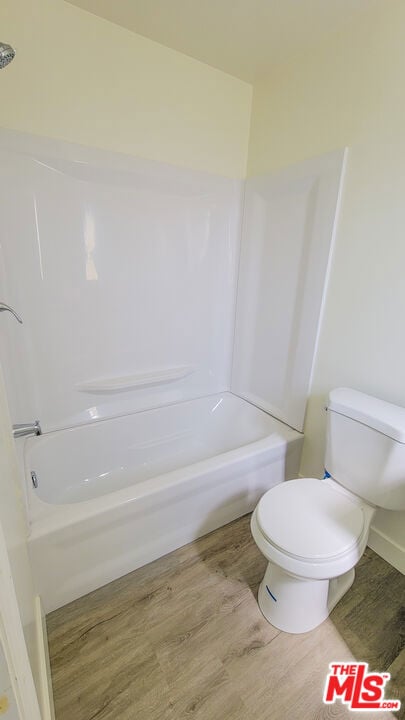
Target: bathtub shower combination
{"type": "Point", "coordinates": [136, 487]}
{"type": "Point", "coordinates": [166, 350]}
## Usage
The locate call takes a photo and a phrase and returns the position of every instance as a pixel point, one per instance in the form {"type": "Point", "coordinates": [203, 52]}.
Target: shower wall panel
{"type": "Point", "coordinates": [124, 272]}
{"type": "Point", "coordinates": [288, 229]}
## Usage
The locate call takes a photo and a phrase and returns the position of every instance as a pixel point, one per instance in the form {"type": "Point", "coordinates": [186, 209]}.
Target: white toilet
{"type": "Point", "coordinates": [313, 532]}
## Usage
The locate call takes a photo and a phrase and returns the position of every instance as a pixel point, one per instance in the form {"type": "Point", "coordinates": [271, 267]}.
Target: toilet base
{"type": "Point", "coordinates": [339, 587]}
{"type": "Point", "coordinates": [297, 605]}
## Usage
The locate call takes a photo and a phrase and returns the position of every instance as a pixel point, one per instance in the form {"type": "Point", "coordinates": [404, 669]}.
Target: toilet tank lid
{"type": "Point", "coordinates": [382, 416]}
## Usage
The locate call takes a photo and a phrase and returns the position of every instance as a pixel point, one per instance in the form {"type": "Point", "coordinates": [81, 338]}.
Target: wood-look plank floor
{"type": "Point", "coordinates": [184, 638]}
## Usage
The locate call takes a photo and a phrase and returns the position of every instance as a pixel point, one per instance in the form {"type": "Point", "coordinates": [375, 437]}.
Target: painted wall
{"type": "Point", "coordinates": [350, 92]}
{"type": "Point", "coordinates": [80, 78]}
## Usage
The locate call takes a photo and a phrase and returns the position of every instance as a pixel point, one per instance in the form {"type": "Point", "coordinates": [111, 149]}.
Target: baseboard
{"type": "Point", "coordinates": [389, 550]}
{"type": "Point", "coordinates": [45, 689]}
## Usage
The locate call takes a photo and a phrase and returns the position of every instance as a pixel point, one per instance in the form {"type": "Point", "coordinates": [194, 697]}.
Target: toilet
{"type": "Point", "coordinates": [313, 532]}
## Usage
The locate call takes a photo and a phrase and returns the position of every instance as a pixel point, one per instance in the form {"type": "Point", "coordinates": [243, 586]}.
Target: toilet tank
{"type": "Point", "coordinates": [365, 447]}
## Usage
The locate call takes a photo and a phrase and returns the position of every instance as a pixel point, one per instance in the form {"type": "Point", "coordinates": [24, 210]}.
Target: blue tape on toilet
{"type": "Point", "coordinates": [270, 593]}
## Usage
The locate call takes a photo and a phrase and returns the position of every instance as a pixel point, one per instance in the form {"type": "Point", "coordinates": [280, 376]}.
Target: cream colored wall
{"type": "Point", "coordinates": [78, 77]}
{"type": "Point", "coordinates": [351, 92]}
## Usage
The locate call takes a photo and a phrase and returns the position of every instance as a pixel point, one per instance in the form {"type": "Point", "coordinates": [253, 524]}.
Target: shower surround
{"type": "Point", "coordinates": [125, 272]}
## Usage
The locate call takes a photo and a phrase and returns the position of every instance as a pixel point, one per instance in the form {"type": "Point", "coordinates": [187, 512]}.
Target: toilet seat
{"type": "Point", "coordinates": [310, 522]}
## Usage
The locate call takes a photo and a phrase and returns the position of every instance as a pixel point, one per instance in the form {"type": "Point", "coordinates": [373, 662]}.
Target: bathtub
{"type": "Point", "coordinates": [116, 494]}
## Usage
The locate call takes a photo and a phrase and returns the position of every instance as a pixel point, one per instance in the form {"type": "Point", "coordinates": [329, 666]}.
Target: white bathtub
{"type": "Point", "coordinates": [117, 494]}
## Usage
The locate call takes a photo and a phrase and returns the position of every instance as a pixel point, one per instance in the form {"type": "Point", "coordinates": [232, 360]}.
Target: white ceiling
{"type": "Point", "coordinates": [245, 38]}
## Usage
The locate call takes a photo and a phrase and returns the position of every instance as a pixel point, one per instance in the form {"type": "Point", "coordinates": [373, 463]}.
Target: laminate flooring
{"type": "Point", "coordinates": [183, 638]}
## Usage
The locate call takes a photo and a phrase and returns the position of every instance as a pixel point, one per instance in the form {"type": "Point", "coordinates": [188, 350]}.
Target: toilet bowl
{"type": "Point", "coordinates": [313, 532]}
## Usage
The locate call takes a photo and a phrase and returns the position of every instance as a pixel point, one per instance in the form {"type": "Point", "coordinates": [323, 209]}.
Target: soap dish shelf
{"type": "Point", "coordinates": [137, 380]}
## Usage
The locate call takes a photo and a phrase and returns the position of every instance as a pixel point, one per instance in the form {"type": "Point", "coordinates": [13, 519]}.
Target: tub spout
{"type": "Point", "coordinates": [22, 429]}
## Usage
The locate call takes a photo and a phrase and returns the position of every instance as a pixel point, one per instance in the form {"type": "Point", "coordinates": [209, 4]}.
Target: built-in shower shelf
{"type": "Point", "coordinates": [138, 380]}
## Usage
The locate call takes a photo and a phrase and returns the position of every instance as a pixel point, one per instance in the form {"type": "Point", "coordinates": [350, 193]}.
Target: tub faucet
{"type": "Point", "coordinates": [4, 308]}
{"type": "Point", "coordinates": [22, 429]}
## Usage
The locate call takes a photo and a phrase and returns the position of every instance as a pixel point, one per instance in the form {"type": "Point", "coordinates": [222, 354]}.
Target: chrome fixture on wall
{"type": "Point", "coordinates": [23, 429]}
{"type": "Point", "coordinates": [7, 54]}
{"type": "Point", "coordinates": [7, 308]}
